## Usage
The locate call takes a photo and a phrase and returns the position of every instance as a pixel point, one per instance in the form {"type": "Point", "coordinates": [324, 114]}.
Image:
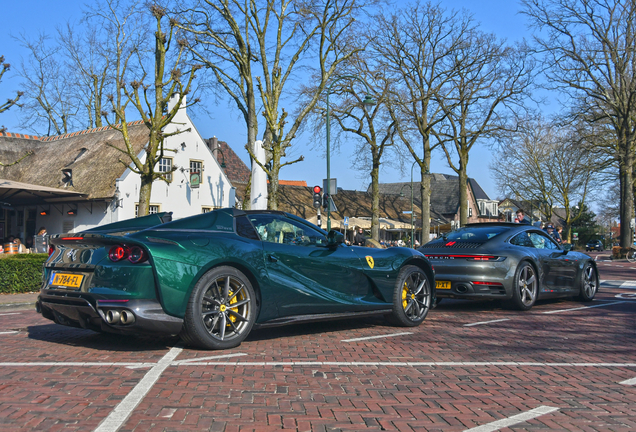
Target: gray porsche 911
{"type": "Point", "coordinates": [507, 261]}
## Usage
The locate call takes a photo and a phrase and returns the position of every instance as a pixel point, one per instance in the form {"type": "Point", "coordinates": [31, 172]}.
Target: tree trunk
{"type": "Point", "coordinates": [425, 197]}
{"type": "Point", "coordinates": [144, 196]}
{"type": "Point", "coordinates": [627, 197]}
{"type": "Point", "coordinates": [375, 198]}
{"type": "Point", "coordinates": [463, 190]}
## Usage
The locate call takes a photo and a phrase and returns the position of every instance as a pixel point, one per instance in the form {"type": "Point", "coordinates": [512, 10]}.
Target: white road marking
{"type": "Point", "coordinates": [76, 364]}
{"type": "Point", "coordinates": [122, 411]}
{"type": "Point", "coordinates": [376, 337]}
{"type": "Point", "coordinates": [8, 332]}
{"type": "Point", "coordinates": [415, 364]}
{"type": "Point", "coordinates": [584, 307]}
{"type": "Point", "coordinates": [11, 313]}
{"type": "Point", "coordinates": [629, 284]}
{"type": "Point", "coordinates": [516, 419]}
{"type": "Point", "coordinates": [486, 322]}
{"type": "Point", "coordinates": [629, 382]}
{"type": "Point", "coordinates": [199, 359]}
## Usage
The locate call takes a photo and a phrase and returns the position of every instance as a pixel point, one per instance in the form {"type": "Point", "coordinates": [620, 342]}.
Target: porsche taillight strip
{"type": "Point", "coordinates": [486, 283]}
{"type": "Point", "coordinates": [471, 257]}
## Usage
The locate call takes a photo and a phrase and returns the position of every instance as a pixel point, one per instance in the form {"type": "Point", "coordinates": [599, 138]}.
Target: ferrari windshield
{"type": "Point", "coordinates": [476, 234]}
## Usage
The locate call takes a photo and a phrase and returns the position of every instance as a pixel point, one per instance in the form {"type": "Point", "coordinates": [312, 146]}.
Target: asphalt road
{"type": "Point", "coordinates": [564, 365]}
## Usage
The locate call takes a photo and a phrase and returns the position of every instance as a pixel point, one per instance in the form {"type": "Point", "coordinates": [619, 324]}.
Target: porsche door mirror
{"type": "Point", "coordinates": [334, 238]}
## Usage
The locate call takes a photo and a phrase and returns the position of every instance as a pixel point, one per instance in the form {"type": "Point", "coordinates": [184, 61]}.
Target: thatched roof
{"type": "Point", "coordinates": [88, 153]}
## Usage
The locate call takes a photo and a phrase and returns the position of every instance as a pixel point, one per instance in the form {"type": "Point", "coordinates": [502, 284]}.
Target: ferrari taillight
{"type": "Point", "coordinates": [118, 253]}
{"type": "Point", "coordinates": [137, 255]}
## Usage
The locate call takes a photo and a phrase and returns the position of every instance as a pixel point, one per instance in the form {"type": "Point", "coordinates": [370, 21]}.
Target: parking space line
{"type": "Point", "coordinates": [123, 410]}
{"type": "Point", "coordinates": [515, 419]}
{"type": "Point", "coordinates": [629, 382]}
{"type": "Point", "coordinates": [75, 364]}
{"type": "Point", "coordinates": [584, 307]}
{"type": "Point", "coordinates": [8, 332]}
{"type": "Point", "coordinates": [486, 322]}
{"type": "Point", "coordinates": [292, 363]}
{"type": "Point", "coordinates": [199, 359]}
{"type": "Point", "coordinates": [10, 313]}
{"type": "Point", "coordinates": [376, 337]}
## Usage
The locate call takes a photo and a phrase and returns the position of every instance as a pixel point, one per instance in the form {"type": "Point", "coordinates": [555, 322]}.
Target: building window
{"type": "Point", "coordinates": [206, 209]}
{"type": "Point", "coordinates": [165, 166]}
{"type": "Point", "coordinates": [153, 209]}
{"type": "Point", "coordinates": [470, 212]}
{"type": "Point", "coordinates": [196, 166]}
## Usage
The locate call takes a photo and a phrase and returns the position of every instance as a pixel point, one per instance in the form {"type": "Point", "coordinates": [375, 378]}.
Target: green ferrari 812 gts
{"type": "Point", "coordinates": [212, 278]}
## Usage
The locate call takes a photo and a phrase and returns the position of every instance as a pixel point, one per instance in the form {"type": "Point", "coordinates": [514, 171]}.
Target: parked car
{"type": "Point", "coordinates": [594, 245]}
{"type": "Point", "coordinates": [211, 278]}
{"type": "Point", "coordinates": [515, 263]}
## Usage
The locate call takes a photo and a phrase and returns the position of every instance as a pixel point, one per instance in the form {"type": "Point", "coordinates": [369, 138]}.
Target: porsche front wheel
{"type": "Point", "coordinates": [411, 297]}
{"type": "Point", "coordinates": [589, 283]}
{"type": "Point", "coordinates": [221, 311]}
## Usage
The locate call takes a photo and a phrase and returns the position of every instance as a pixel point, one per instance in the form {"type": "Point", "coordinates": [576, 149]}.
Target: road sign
{"type": "Point", "coordinates": [407, 212]}
{"type": "Point", "coordinates": [346, 221]}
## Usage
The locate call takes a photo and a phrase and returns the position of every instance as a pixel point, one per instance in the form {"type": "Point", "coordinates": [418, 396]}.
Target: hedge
{"type": "Point", "coordinates": [21, 273]}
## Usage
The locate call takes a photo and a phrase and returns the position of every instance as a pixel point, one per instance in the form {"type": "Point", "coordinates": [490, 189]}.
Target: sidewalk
{"type": "Point", "coordinates": [18, 301]}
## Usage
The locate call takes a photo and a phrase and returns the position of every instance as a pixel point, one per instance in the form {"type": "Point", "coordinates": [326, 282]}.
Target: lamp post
{"type": "Point", "coordinates": [401, 194]}
{"type": "Point", "coordinates": [368, 101]}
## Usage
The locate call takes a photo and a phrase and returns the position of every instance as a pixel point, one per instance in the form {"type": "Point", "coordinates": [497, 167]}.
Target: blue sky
{"type": "Point", "coordinates": [34, 16]}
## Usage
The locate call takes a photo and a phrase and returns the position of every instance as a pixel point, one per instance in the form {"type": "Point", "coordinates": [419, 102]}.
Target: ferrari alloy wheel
{"type": "Point", "coordinates": [411, 297]}
{"type": "Point", "coordinates": [526, 287]}
{"type": "Point", "coordinates": [589, 283]}
{"type": "Point", "coordinates": [221, 311]}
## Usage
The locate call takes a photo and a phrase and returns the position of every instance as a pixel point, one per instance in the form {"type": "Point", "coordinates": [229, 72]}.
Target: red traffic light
{"type": "Point", "coordinates": [317, 189]}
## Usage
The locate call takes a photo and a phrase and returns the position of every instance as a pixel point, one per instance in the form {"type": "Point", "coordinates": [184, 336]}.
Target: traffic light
{"type": "Point", "coordinates": [317, 197]}
{"type": "Point", "coordinates": [325, 201]}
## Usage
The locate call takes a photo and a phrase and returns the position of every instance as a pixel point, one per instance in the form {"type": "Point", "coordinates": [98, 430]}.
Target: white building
{"type": "Point", "coordinates": [80, 180]}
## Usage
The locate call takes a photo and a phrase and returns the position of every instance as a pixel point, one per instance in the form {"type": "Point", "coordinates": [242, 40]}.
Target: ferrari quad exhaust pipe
{"type": "Point", "coordinates": [113, 316]}
{"type": "Point", "coordinates": [126, 317]}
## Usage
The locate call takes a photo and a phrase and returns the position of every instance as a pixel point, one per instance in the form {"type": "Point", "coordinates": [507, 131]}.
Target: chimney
{"type": "Point", "coordinates": [213, 144]}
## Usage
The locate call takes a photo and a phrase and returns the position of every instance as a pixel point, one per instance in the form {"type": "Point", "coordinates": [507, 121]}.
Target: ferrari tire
{"type": "Point", "coordinates": [412, 297]}
{"type": "Point", "coordinates": [589, 283]}
{"type": "Point", "coordinates": [221, 311]}
{"type": "Point", "coordinates": [525, 287]}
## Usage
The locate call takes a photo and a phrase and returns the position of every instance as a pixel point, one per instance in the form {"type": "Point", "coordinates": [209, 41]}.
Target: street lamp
{"type": "Point", "coordinates": [401, 194]}
{"type": "Point", "coordinates": [368, 101]}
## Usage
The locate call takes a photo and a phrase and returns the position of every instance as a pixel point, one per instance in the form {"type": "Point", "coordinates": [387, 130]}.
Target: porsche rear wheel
{"type": "Point", "coordinates": [411, 297]}
{"type": "Point", "coordinates": [221, 311]}
{"type": "Point", "coordinates": [526, 287]}
{"type": "Point", "coordinates": [589, 283]}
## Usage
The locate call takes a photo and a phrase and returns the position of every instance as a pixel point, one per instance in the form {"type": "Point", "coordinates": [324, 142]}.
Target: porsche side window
{"type": "Point", "coordinates": [522, 239]}
{"type": "Point", "coordinates": [541, 242]}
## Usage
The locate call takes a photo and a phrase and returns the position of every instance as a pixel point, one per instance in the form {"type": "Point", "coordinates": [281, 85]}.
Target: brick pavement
{"type": "Point", "coordinates": [386, 392]}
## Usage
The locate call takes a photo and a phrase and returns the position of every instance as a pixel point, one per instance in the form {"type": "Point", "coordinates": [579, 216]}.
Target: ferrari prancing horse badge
{"type": "Point", "coordinates": [370, 261]}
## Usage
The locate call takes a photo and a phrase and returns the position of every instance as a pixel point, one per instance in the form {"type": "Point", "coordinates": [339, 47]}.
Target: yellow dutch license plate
{"type": "Point", "coordinates": [67, 280]}
{"type": "Point", "coordinates": [443, 285]}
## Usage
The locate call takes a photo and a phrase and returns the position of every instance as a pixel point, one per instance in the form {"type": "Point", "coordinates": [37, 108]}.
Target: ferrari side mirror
{"type": "Point", "coordinates": [334, 238]}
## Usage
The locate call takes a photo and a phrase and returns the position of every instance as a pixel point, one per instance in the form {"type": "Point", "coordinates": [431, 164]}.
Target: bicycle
{"type": "Point", "coordinates": [631, 255]}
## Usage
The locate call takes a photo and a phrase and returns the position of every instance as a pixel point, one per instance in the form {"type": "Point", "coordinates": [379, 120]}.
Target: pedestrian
{"type": "Point", "coordinates": [552, 233]}
{"type": "Point", "coordinates": [359, 239]}
{"type": "Point", "coordinates": [522, 218]}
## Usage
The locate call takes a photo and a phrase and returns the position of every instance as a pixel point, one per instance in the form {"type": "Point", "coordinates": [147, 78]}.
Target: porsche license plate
{"type": "Point", "coordinates": [443, 285]}
{"type": "Point", "coordinates": [66, 280]}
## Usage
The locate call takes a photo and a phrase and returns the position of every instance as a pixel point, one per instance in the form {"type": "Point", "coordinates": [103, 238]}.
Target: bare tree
{"type": "Point", "coordinates": [151, 103]}
{"type": "Point", "coordinates": [489, 84]}
{"type": "Point", "coordinates": [47, 88]}
{"type": "Point", "coordinates": [373, 125]}
{"type": "Point", "coordinates": [415, 46]}
{"type": "Point", "coordinates": [589, 54]}
{"type": "Point", "coordinates": [548, 163]}
{"type": "Point", "coordinates": [10, 102]}
{"type": "Point", "coordinates": [260, 45]}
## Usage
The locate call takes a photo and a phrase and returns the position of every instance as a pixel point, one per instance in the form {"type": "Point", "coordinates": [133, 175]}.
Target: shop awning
{"type": "Point", "coordinates": [13, 194]}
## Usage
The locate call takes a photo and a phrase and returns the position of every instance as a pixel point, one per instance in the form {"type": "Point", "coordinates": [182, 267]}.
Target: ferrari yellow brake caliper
{"type": "Point", "coordinates": [234, 300]}
{"type": "Point", "coordinates": [405, 291]}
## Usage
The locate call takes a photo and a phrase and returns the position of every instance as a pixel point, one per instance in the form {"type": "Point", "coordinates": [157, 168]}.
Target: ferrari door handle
{"type": "Point", "coordinates": [272, 258]}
